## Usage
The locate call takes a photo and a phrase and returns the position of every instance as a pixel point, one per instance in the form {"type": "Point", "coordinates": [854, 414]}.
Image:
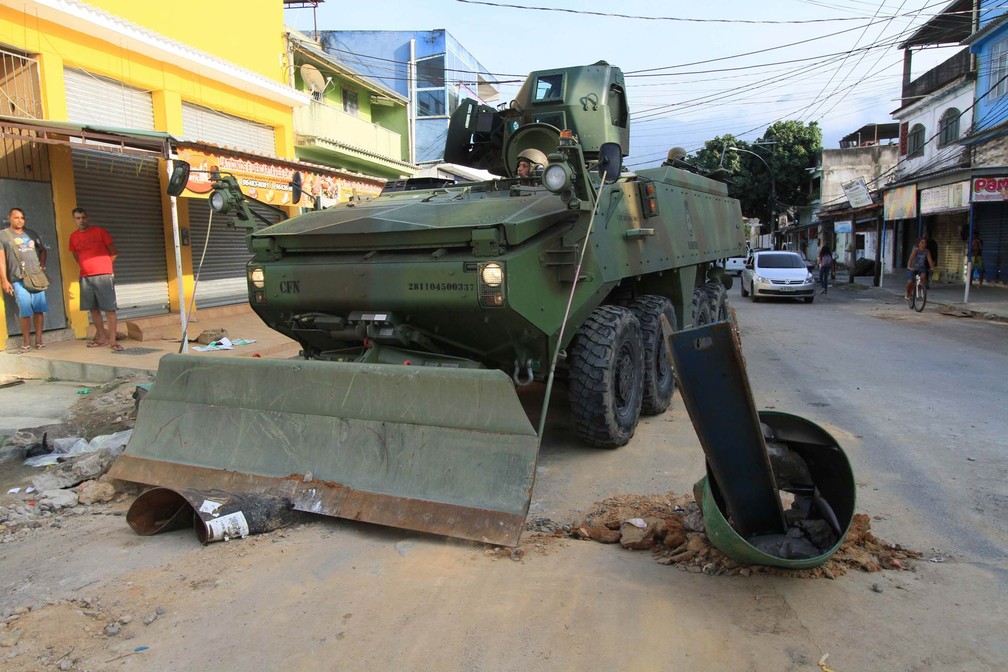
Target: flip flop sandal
{"type": "Point", "coordinates": [40, 346]}
{"type": "Point", "coordinates": [25, 348]}
{"type": "Point", "coordinates": [96, 344]}
{"type": "Point", "coordinates": [116, 348]}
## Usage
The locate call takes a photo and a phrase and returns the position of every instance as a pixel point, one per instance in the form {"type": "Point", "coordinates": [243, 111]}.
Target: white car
{"type": "Point", "coordinates": [734, 265]}
{"type": "Point", "coordinates": [779, 274]}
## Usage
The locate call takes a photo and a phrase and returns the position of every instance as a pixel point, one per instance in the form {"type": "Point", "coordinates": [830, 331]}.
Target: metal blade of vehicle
{"type": "Point", "coordinates": [441, 450]}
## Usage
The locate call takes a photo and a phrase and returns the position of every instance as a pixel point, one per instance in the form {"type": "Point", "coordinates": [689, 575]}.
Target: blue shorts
{"type": "Point", "coordinates": [912, 273]}
{"type": "Point", "coordinates": [29, 302]}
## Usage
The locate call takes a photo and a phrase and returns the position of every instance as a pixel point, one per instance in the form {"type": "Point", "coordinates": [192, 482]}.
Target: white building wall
{"type": "Point", "coordinates": [928, 113]}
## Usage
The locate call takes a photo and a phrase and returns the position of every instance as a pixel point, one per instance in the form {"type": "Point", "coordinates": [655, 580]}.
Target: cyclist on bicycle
{"type": "Point", "coordinates": [920, 262]}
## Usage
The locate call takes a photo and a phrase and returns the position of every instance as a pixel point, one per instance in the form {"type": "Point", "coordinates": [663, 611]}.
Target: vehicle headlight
{"type": "Point", "coordinates": [760, 279]}
{"type": "Point", "coordinates": [257, 277]}
{"type": "Point", "coordinates": [491, 284]}
{"type": "Point", "coordinates": [557, 177]}
{"type": "Point", "coordinates": [492, 274]}
{"type": "Point", "coordinates": [808, 277]}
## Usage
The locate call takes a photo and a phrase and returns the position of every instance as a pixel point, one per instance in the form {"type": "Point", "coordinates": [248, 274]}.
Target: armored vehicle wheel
{"type": "Point", "coordinates": [701, 308]}
{"type": "Point", "coordinates": [606, 371]}
{"type": "Point", "coordinates": [659, 378]}
{"type": "Point", "coordinates": [718, 300]}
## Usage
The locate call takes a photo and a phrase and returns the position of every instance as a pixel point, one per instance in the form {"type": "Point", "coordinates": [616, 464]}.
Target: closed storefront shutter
{"type": "Point", "coordinates": [205, 125]}
{"type": "Point", "coordinates": [122, 193]}
{"type": "Point", "coordinates": [991, 223]}
{"type": "Point", "coordinates": [222, 274]}
{"type": "Point", "coordinates": [951, 248]}
{"type": "Point", "coordinates": [105, 102]}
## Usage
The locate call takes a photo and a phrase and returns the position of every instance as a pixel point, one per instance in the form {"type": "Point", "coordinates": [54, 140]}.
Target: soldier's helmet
{"type": "Point", "coordinates": [535, 157]}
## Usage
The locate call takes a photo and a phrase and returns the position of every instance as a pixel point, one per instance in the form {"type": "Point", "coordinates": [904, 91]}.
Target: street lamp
{"type": "Point", "coordinates": [773, 186]}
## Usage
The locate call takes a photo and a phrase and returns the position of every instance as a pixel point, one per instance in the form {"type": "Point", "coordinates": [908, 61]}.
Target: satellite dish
{"type": "Point", "coordinates": [311, 75]}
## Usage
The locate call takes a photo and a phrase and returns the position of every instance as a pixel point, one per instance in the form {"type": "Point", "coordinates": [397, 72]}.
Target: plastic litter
{"type": "Point", "coordinates": [76, 445]}
{"type": "Point", "coordinates": [223, 344]}
{"type": "Point", "coordinates": [84, 390]}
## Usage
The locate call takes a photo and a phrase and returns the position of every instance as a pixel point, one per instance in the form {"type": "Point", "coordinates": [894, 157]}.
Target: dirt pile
{"type": "Point", "coordinates": [671, 526]}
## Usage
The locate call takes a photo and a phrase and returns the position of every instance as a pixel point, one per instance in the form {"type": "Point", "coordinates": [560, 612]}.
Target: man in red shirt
{"type": "Point", "coordinates": [94, 251]}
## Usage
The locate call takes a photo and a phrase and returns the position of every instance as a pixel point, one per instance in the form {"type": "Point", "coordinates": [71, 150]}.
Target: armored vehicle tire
{"type": "Point", "coordinates": [718, 300]}
{"type": "Point", "coordinates": [606, 372]}
{"type": "Point", "coordinates": [701, 308]}
{"type": "Point", "coordinates": [659, 376]}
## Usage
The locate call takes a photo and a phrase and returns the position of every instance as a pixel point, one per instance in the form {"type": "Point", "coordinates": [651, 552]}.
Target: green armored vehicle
{"type": "Point", "coordinates": [420, 311]}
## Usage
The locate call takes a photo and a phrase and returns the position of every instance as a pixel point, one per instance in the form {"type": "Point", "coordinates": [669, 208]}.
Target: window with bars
{"type": "Point", "coordinates": [998, 70]}
{"type": "Point", "coordinates": [915, 141]}
{"type": "Point", "coordinates": [350, 102]}
{"type": "Point", "coordinates": [20, 95]}
{"type": "Point", "coordinates": [948, 127]}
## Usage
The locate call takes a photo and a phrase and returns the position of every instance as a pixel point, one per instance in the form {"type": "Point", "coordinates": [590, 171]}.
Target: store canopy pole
{"type": "Point", "coordinates": [178, 264]}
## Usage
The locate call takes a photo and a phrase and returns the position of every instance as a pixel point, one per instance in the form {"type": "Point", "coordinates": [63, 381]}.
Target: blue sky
{"type": "Point", "coordinates": [692, 68]}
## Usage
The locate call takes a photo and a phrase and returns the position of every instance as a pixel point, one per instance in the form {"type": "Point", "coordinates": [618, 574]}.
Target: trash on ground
{"type": "Point", "coordinates": [63, 447]}
{"type": "Point", "coordinates": [213, 514]}
{"type": "Point", "coordinates": [223, 344]}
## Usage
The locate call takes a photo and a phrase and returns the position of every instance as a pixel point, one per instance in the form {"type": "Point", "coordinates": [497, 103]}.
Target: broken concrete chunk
{"type": "Point", "coordinates": [59, 499]}
{"type": "Point", "coordinates": [75, 470]}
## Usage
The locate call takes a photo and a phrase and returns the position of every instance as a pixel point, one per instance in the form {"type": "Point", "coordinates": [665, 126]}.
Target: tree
{"type": "Point", "coordinates": [788, 148]}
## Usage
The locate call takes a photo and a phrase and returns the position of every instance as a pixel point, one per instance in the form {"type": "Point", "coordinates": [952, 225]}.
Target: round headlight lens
{"type": "Point", "coordinates": [217, 200]}
{"type": "Point", "coordinates": [492, 274]}
{"type": "Point", "coordinates": [258, 278]}
{"type": "Point", "coordinates": [556, 178]}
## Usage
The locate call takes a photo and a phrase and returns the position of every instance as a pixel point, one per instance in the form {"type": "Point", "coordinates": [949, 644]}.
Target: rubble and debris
{"type": "Point", "coordinates": [672, 540]}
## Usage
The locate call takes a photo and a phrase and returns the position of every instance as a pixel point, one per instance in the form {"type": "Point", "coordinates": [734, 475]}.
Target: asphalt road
{"type": "Point", "coordinates": [923, 394]}
{"type": "Point", "coordinates": [911, 398]}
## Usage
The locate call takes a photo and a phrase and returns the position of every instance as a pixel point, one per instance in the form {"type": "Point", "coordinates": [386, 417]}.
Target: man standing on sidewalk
{"type": "Point", "coordinates": [94, 251]}
{"type": "Point", "coordinates": [22, 252]}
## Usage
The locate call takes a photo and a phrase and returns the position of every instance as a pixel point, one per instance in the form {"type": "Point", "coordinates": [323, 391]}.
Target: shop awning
{"type": "Point", "coordinates": [88, 136]}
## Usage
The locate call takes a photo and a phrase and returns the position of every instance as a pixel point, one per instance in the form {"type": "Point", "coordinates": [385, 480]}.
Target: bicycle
{"type": "Point", "coordinates": [918, 297]}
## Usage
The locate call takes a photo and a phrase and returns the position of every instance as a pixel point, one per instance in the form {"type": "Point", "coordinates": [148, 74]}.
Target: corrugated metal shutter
{"type": "Point", "coordinates": [105, 102]}
{"type": "Point", "coordinates": [990, 222]}
{"type": "Point", "coordinates": [222, 275]}
{"type": "Point", "coordinates": [202, 124]}
{"type": "Point", "coordinates": [123, 194]}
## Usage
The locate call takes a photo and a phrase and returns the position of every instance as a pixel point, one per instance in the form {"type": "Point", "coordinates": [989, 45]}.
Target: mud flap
{"type": "Point", "coordinates": [447, 451]}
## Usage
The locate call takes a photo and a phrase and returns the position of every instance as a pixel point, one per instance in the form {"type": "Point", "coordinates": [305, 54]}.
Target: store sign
{"type": "Point", "coordinates": [947, 197]}
{"type": "Point", "coordinates": [900, 203]}
{"type": "Point", "coordinates": [987, 189]}
{"type": "Point", "coordinates": [843, 227]}
{"type": "Point", "coordinates": [857, 193]}
{"type": "Point", "coordinates": [270, 182]}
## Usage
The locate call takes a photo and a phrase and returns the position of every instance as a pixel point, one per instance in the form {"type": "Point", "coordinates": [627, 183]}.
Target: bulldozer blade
{"type": "Point", "coordinates": [440, 450]}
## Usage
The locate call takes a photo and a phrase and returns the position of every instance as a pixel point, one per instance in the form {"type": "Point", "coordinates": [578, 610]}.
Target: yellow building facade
{"type": "Point", "coordinates": [95, 97]}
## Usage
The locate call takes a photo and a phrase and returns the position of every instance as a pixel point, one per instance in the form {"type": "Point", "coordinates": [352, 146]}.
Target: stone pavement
{"type": "Point", "coordinates": [73, 360]}
{"type": "Point", "coordinates": [989, 302]}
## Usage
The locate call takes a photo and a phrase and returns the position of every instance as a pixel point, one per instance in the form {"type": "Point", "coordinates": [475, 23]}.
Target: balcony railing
{"type": "Point", "coordinates": [318, 120]}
